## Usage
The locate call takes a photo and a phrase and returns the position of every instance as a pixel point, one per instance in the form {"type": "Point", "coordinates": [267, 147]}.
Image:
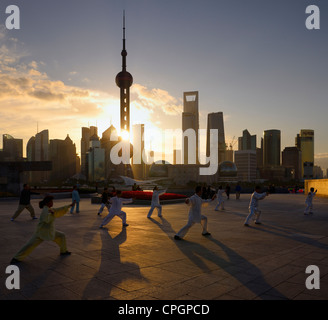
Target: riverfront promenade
{"type": "Point", "coordinates": [144, 262]}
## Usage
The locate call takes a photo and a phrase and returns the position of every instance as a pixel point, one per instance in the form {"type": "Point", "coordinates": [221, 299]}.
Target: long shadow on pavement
{"type": "Point", "coordinates": [111, 271]}
{"type": "Point", "coordinates": [193, 251]}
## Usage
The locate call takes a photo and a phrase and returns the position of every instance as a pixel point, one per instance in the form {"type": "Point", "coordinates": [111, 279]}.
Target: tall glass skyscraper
{"type": "Point", "coordinates": [305, 142]}
{"type": "Point", "coordinates": [271, 148]}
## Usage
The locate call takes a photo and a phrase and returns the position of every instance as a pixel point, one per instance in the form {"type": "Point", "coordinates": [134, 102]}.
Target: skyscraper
{"type": "Point", "coordinates": [12, 148]}
{"type": "Point", "coordinates": [138, 164]}
{"type": "Point", "coordinates": [245, 161]}
{"type": "Point", "coordinates": [107, 145]}
{"type": "Point", "coordinates": [96, 160]}
{"type": "Point", "coordinates": [304, 141]}
{"type": "Point", "coordinates": [247, 141]}
{"type": "Point", "coordinates": [190, 120]}
{"type": "Point", "coordinates": [215, 121]}
{"type": "Point", "coordinates": [62, 153]}
{"type": "Point", "coordinates": [124, 81]}
{"type": "Point", "coordinates": [85, 145]}
{"type": "Point", "coordinates": [271, 148]}
{"type": "Point", "coordinates": [37, 149]}
{"type": "Point", "coordinates": [292, 159]}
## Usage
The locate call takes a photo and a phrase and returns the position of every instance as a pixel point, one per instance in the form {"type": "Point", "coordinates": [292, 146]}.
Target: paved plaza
{"type": "Point", "coordinates": [144, 262]}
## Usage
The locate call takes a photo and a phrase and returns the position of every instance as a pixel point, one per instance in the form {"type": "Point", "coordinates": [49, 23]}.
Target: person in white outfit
{"type": "Point", "coordinates": [219, 196]}
{"type": "Point", "coordinates": [155, 202]}
{"type": "Point", "coordinates": [253, 205]}
{"type": "Point", "coordinates": [195, 215]}
{"type": "Point", "coordinates": [116, 209]}
{"type": "Point", "coordinates": [308, 201]}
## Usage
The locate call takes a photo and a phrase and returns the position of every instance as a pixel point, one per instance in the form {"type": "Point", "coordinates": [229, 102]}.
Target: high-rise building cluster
{"type": "Point", "coordinates": [248, 163]}
{"type": "Point", "coordinates": [269, 163]}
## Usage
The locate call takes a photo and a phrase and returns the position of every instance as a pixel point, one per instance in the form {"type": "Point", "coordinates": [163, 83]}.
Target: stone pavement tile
{"type": "Point", "coordinates": [93, 289]}
{"type": "Point", "coordinates": [144, 297]}
{"type": "Point", "coordinates": [266, 296]}
{"type": "Point", "coordinates": [287, 271]}
{"type": "Point", "coordinates": [287, 289]}
{"type": "Point", "coordinates": [50, 278]}
{"type": "Point", "coordinates": [128, 281]}
{"type": "Point", "coordinates": [239, 278]}
{"type": "Point", "coordinates": [211, 292]}
{"type": "Point", "coordinates": [26, 290]}
{"type": "Point", "coordinates": [56, 292]}
{"type": "Point", "coordinates": [250, 290]}
{"type": "Point", "coordinates": [227, 296]}
{"type": "Point", "coordinates": [204, 280]}
{"type": "Point", "coordinates": [170, 292]}
{"type": "Point", "coordinates": [158, 276]}
{"type": "Point", "coordinates": [299, 278]}
{"type": "Point", "coordinates": [181, 267]}
{"type": "Point", "coordinates": [188, 297]}
{"type": "Point", "coordinates": [306, 296]}
{"type": "Point", "coordinates": [142, 262]}
{"type": "Point", "coordinates": [76, 272]}
{"type": "Point", "coordinates": [14, 295]}
{"type": "Point", "coordinates": [316, 256]}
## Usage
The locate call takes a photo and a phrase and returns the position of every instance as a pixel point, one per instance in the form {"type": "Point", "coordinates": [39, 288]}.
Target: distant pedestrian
{"type": "Point", "coordinates": [308, 201]}
{"type": "Point", "coordinates": [155, 202]}
{"type": "Point", "coordinates": [76, 200]}
{"type": "Point", "coordinates": [253, 205]}
{"type": "Point", "coordinates": [227, 190]}
{"type": "Point", "coordinates": [204, 193]}
{"type": "Point", "coordinates": [195, 215]}
{"type": "Point", "coordinates": [104, 201]}
{"type": "Point", "coordinates": [45, 230]}
{"type": "Point", "coordinates": [24, 203]}
{"type": "Point", "coordinates": [116, 209]}
{"type": "Point", "coordinates": [219, 196]}
{"type": "Point", "coordinates": [238, 190]}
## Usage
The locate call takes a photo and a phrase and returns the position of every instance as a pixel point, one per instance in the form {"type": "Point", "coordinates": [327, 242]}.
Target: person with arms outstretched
{"type": "Point", "coordinates": [253, 205]}
{"type": "Point", "coordinates": [195, 216]}
{"type": "Point", "coordinates": [45, 230]}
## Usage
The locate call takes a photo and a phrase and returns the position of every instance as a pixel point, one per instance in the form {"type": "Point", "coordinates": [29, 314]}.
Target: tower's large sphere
{"type": "Point", "coordinates": [124, 79]}
{"type": "Point", "coordinates": [227, 169]}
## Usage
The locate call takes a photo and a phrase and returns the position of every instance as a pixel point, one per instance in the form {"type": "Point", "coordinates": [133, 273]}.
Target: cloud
{"type": "Point", "coordinates": [155, 100]}
{"type": "Point", "coordinates": [28, 96]}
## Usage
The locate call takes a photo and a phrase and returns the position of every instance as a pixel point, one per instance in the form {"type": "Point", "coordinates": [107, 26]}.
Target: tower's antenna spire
{"type": "Point", "coordinates": [124, 53]}
{"type": "Point", "coordinates": [123, 24]}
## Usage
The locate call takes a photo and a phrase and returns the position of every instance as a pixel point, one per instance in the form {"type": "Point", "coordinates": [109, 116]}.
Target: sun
{"type": "Point", "coordinates": [125, 135]}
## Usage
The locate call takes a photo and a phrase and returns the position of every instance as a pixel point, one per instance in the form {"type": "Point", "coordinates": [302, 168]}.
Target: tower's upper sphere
{"type": "Point", "coordinates": [124, 79]}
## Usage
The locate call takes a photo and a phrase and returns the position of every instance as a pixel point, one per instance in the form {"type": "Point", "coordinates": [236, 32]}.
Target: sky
{"type": "Point", "coordinates": [254, 60]}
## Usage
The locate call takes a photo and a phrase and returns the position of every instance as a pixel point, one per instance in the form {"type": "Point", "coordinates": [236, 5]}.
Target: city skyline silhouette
{"type": "Point", "coordinates": [239, 64]}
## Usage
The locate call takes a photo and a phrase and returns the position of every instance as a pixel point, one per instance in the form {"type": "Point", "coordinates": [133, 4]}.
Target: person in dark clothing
{"type": "Point", "coordinates": [227, 190]}
{"type": "Point", "coordinates": [104, 201]}
{"type": "Point", "coordinates": [24, 203]}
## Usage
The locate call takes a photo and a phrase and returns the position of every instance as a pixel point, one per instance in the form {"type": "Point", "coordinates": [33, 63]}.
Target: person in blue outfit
{"type": "Point", "coordinates": [76, 200]}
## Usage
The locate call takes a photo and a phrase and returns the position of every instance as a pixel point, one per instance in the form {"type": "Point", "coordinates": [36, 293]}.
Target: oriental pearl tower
{"type": "Point", "coordinates": [124, 81]}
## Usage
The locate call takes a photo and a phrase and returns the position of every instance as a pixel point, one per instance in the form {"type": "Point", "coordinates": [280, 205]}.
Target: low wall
{"type": "Point", "coordinates": [318, 184]}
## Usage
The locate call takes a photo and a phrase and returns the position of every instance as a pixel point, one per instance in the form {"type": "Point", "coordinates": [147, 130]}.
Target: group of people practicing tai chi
{"type": "Point", "coordinates": [46, 228]}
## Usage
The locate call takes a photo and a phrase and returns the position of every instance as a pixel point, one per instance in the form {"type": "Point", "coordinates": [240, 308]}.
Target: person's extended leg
{"type": "Point", "coordinates": [107, 219]}
{"type": "Point", "coordinates": [150, 211]}
{"type": "Point", "coordinates": [31, 210]}
{"type": "Point", "coordinates": [159, 210]}
{"type": "Point", "coordinates": [122, 215]}
{"type": "Point", "coordinates": [251, 212]}
{"type": "Point", "coordinates": [183, 231]}
{"type": "Point", "coordinates": [28, 248]}
{"type": "Point", "coordinates": [204, 225]}
{"type": "Point", "coordinates": [20, 208]}
{"type": "Point", "coordinates": [60, 239]}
